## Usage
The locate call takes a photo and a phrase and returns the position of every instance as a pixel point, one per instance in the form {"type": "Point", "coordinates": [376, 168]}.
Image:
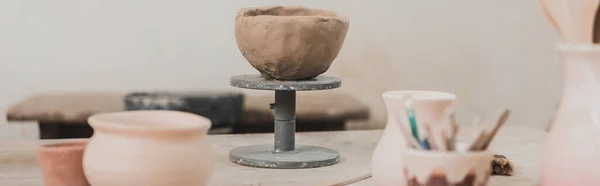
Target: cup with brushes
{"type": "Point", "coordinates": [435, 158]}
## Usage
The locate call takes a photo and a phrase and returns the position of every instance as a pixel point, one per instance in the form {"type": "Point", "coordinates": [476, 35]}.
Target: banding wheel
{"type": "Point", "coordinates": [284, 154]}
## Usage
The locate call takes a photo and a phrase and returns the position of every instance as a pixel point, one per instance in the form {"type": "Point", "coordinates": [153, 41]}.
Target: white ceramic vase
{"type": "Point", "coordinates": [149, 148]}
{"type": "Point", "coordinates": [572, 152]}
{"type": "Point", "coordinates": [429, 106]}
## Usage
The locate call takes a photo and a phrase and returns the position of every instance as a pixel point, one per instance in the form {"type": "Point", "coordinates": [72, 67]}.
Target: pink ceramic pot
{"type": "Point", "coordinates": [430, 106]}
{"type": "Point", "coordinates": [149, 148]}
{"type": "Point", "coordinates": [61, 164]}
{"type": "Point", "coordinates": [572, 152]}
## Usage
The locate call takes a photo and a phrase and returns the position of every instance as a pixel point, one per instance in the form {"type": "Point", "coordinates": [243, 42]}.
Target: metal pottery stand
{"type": "Point", "coordinates": [284, 154]}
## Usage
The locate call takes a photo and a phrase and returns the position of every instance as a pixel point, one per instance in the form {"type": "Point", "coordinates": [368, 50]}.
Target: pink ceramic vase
{"type": "Point", "coordinates": [572, 151]}
{"type": "Point", "coordinates": [61, 164]}
{"type": "Point", "coordinates": [429, 106]}
{"type": "Point", "coordinates": [149, 148]}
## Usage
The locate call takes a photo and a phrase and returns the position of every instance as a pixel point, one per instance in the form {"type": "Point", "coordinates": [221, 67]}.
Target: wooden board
{"type": "Point", "coordinates": [521, 145]}
{"type": "Point", "coordinates": [72, 108]}
{"type": "Point", "coordinates": [75, 108]}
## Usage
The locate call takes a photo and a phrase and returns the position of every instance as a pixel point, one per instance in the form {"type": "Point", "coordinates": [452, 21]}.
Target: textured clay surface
{"type": "Point", "coordinates": [290, 43]}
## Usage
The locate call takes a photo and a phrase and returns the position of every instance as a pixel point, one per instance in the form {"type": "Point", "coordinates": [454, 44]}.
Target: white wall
{"type": "Point", "coordinates": [490, 53]}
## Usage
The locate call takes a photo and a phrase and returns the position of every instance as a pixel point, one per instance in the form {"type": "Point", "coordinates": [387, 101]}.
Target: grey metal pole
{"type": "Point", "coordinates": [285, 120]}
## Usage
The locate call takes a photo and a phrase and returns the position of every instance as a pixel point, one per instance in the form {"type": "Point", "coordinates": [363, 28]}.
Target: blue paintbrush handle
{"type": "Point", "coordinates": [426, 145]}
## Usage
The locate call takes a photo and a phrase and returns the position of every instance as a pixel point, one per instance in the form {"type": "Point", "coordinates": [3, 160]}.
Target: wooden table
{"type": "Point", "coordinates": [64, 115]}
{"type": "Point", "coordinates": [521, 145]}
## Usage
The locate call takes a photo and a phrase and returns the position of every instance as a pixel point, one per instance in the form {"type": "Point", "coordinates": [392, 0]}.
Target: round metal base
{"type": "Point", "coordinates": [259, 83]}
{"type": "Point", "coordinates": [302, 157]}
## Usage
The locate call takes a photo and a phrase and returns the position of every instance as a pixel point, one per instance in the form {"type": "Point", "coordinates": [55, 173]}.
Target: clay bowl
{"type": "Point", "coordinates": [290, 42]}
{"type": "Point", "coordinates": [61, 164]}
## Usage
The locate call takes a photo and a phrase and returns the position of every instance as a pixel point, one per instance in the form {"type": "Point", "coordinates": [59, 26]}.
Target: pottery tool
{"type": "Point", "coordinates": [477, 137]}
{"type": "Point", "coordinates": [412, 120]}
{"type": "Point", "coordinates": [431, 139]}
{"type": "Point", "coordinates": [410, 113]}
{"type": "Point", "coordinates": [487, 134]}
{"type": "Point", "coordinates": [426, 145]}
{"type": "Point", "coordinates": [353, 180]}
{"type": "Point", "coordinates": [445, 141]}
{"type": "Point", "coordinates": [453, 132]}
{"type": "Point", "coordinates": [284, 153]}
{"type": "Point", "coordinates": [439, 139]}
{"type": "Point", "coordinates": [437, 135]}
{"type": "Point", "coordinates": [408, 137]}
{"type": "Point", "coordinates": [574, 19]}
{"type": "Point", "coordinates": [411, 141]}
{"type": "Point", "coordinates": [445, 131]}
{"type": "Point", "coordinates": [490, 136]}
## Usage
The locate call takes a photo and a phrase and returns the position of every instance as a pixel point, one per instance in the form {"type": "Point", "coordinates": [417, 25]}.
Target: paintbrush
{"type": "Point", "coordinates": [478, 136]}
{"type": "Point", "coordinates": [410, 113]}
{"type": "Point", "coordinates": [489, 137]}
{"type": "Point", "coordinates": [431, 139]}
{"type": "Point", "coordinates": [447, 131]}
{"type": "Point", "coordinates": [408, 137]}
{"type": "Point", "coordinates": [451, 142]}
{"type": "Point", "coordinates": [486, 135]}
{"type": "Point", "coordinates": [410, 140]}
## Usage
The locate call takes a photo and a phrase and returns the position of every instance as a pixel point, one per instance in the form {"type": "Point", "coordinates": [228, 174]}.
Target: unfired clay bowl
{"type": "Point", "coordinates": [61, 164]}
{"type": "Point", "coordinates": [290, 42]}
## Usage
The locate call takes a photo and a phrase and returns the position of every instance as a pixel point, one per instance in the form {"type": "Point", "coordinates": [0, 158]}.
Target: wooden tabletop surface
{"type": "Point", "coordinates": [521, 145]}
{"type": "Point", "coordinates": [75, 108]}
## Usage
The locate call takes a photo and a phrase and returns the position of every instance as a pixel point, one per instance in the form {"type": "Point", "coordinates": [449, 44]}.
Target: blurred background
{"type": "Point", "coordinates": [489, 53]}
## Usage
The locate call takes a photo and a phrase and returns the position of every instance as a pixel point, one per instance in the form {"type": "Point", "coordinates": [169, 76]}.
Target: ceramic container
{"type": "Point", "coordinates": [434, 168]}
{"type": "Point", "coordinates": [430, 106]}
{"type": "Point", "coordinates": [572, 151]}
{"type": "Point", "coordinates": [150, 148]}
{"type": "Point", "coordinates": [290, 42]}
{"type": "Point", "coordinates": [61, 164]}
